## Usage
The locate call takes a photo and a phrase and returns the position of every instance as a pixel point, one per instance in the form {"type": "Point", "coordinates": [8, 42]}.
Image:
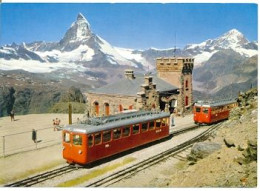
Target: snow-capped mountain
{"type": "Point", "coordinates": [78, 46]}
{"type": "Point", "coordinates": [81, 47]}
{"type": "Point", "coordinates": [233, 39]}
{"type": "Point", "coordinates": [82, 53]}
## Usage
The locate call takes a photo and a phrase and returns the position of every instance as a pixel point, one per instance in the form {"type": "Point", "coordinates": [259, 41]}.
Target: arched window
{"type": "Point", "coordinates": [96, 107]}
{"type": "Point", "coordinates": [186, 84]}
{"type": "Point", "coordinates": [186, 100]}
{"type": "Point", "coordinates": [120, 108]}
{"type": "Point", "coordinates": [106, 109]}
{"type": "Point", "coordinates": [131, 107]}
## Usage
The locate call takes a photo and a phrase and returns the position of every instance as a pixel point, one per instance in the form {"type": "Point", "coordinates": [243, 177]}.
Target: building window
{"type": "Point", "coordinates": [120, 108]}
{"type": "Point", "coordinates": [186, 84]}
{"type": "Point", "coordinates": [186, 101]}
{"type": "Point", "coordinates": [106, 109]}
{"type": "Point", "coordinates": [96, 105]}
{"type": "Point", "coordinates": [131, 107]}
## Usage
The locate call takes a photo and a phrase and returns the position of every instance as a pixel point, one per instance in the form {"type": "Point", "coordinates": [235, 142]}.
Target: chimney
{"type": "Point", "coordinates": [129, 74]}
{"type": "Point", "coordinates": [148, 80]}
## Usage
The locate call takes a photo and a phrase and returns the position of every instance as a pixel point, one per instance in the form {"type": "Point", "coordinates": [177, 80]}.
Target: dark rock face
{"type": "Point", "coordinates": [250, 153]}
{"type": "Point", "coordinates": [229, 142]}
{"type": "Point", "coordinates": [202, 150]}
{"type": "Point", "coordinates": [7, 100]}
{"type": "Point", "coordinates": [30, 100]}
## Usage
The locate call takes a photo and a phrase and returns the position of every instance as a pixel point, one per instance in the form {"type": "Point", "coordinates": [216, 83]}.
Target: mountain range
{"type": "Point", "coordinates": [82, 58]}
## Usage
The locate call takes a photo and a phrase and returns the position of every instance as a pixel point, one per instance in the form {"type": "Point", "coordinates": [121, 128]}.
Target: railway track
{"type": "Point", "coordinates": [118, 175]}
{"type": "Point", "coordinates": [42, 177]}
{"type": "Point", "coordinates": [125, 173]}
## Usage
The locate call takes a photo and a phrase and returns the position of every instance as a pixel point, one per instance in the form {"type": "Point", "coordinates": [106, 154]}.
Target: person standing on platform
{"type": "Point", "coordinates": [12, 115]}
{"type": "Point", "coordinates": [34, 135]}
{"type": "Point", "coordinates": [172, 118]}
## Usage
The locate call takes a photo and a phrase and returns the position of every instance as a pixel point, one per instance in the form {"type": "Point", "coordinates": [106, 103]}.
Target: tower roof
{"type": "Point", "coordinates": [133, 86]}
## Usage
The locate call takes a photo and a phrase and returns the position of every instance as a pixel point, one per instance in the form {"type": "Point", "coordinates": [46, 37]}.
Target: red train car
{"type": "Point", "coordinates": [212, 112]}
{"type": "Point", "coordinates": [101, 137]}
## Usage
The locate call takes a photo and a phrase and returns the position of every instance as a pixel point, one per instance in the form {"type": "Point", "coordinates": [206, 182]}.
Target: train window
{"type": "Point", "coordinates": [90, 140]}
{"type": "Point", "coordinates": [136, 128]}
{"type": "Point", "coordinates": [144, 127]}
{"type": "Point", "coordinates": [116, 133]}
{"type": "Point", "coordinates": [66, 137]}
{"type": "Point", "coordinates": [106, 136]}
{"type": "Point", "coordinates": [126, 131]}
{"type": "Point", "coordinates": [77, 140]}
{"type": "Point", "coordinates": [197, 109]}
{"type": "Point", "coordinates": [158, 123]}
{"type": "Point", "coordinates": [205, 110]}
{"type": "Point", "coordinates": [151, 125]}
{"type": "Point", "coordinates": [164, 122]}
{"type": "Point", "coordinates": [97, 138]}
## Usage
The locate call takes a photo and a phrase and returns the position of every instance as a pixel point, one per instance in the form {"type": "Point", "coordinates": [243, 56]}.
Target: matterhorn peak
{"type": "Point", "coordinates": [80, 16]}
{"type": "Point", "coordinates": [78, 32]}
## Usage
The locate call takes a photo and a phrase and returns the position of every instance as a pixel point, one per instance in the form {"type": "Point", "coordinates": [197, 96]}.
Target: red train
{"type": "Point", "coordinates": [212, 112]}
{"type": "Point", "coordinates": [101, 137]}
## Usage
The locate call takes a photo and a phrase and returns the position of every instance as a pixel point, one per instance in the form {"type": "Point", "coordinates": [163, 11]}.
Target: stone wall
{"type": "Point", "coordinates": [105, 104]}
{"type": "Point", "coordinates": [115, 103]}
{"type": "Point", "coordinates": [178, 72]}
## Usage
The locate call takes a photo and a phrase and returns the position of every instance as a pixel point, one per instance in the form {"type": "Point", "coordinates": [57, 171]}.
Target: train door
{"type": "Point", "coordinates": [78, 147]}
{"type": "Point", "coordinates": [206, 114]}
{"type": "Point", "coordinates": [67, 146]}
{"type": "Point", "coordinates": [197, 114]}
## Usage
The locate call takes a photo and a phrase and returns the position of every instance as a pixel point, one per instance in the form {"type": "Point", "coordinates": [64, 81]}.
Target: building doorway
{"type": "Point", "coordinates": [106, 109]}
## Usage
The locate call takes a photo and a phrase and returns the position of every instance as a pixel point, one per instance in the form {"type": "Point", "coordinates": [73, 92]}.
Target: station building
{"type": "Point", "coordinates": [170, 89]}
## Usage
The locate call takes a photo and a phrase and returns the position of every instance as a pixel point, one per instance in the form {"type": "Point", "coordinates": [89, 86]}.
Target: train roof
{"type": "Point", "coordinates": [97, 124]}
{"type": "Point", "coordinates": [214, 103]}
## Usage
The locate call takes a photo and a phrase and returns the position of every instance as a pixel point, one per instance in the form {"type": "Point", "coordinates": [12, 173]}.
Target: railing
{"type": "Point", "coordinates": [21, 142]}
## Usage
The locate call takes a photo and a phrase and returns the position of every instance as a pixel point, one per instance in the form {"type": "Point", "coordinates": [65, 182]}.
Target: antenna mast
{"type": "Point", "coordinates": [174, 50]}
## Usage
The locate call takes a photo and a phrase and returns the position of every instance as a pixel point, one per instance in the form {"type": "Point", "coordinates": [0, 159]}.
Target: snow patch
{"type": "Point", "coordinates": [82, 53]}
{"type": "Point", "coordinates": [37, 67]}
{"type": "Point", "coordinates": [204, 56]}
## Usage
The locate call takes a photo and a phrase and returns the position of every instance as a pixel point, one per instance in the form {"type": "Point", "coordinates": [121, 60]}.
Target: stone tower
{"type": "Point", "coordinates": [178, 72]}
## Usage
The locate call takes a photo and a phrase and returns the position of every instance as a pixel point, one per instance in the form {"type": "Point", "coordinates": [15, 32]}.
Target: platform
{"type": "Point", "coordinates": [21, 165]}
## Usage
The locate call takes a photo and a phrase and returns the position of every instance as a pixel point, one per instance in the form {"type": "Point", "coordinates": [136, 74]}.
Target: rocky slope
{"type": "Point", "coordinates": [235, 163]}
{"type": "Point", "coordinates": [228, 158]}
{"type": "Point", "coordinates": [34, 95]}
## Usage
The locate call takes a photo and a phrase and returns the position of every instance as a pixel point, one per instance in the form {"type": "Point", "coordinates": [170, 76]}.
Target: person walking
{"type": "Point", "coordinates": [34, 135]}
{"type": "Point", "coordinates": [12, 115]}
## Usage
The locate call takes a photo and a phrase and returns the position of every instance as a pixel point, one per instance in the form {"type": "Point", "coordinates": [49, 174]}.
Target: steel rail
{"type": "Point", "coordinates": [42, 177]}
{"type": "Point", "coordinates": [127, 172]}
{"type": "Point", "coordinates": [66, 169]}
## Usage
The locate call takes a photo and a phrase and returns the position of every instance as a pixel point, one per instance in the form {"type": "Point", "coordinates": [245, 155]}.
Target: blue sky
{"type": "Point", "coordinates": [137, 25]}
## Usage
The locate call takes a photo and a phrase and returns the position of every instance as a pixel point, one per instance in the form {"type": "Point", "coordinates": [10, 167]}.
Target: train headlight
{"type": "Point", "coordinates": [80, 152]}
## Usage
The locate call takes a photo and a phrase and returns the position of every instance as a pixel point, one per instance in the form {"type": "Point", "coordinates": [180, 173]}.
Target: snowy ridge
{"type": "Point", "coordinates": [81, 47]}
